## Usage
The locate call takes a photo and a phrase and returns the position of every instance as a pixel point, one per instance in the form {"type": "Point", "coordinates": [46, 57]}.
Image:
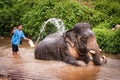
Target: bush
{"type": "Point", "coordinates": [108, 40]}
{"type": "Point", "coordinates": [71, 13]}
{"type": "Point", "coordinates": [10, 15]}
{"type": "Point", "coordinates": [32, 13]}
{"type": "Point", "coordinates": [110, 8]}
{"type": "Point", "coordinates": [104, 25]}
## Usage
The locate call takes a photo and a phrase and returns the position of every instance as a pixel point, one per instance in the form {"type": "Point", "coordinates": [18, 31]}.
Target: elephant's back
{"type": "Point", "coordinates": [52, 39]}
{"type": "Point", "coordinates": [47, 48]}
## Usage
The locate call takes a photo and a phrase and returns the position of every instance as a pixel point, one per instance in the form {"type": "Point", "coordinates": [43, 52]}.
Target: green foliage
{"type": "Point", "coordinates": [109, 7]}
{"type": "Point", "coordinates": [32, 13]}
{"type": "Point", "coordinates": [71, 13]}
{"type": "Point", "coordinates": [6, 3]}
{"type": "Point", "coordinates": [110, 10]}
{"type": "Point", "coordinates": [10, 16]}
{"type": "Point", "coordinates": [108, 40]}
{"type": "Point", "coordinates": [104, 25]}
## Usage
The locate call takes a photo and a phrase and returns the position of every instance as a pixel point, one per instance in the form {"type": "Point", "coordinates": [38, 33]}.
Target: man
{"type": "Point", "coordinates": [16, 38]}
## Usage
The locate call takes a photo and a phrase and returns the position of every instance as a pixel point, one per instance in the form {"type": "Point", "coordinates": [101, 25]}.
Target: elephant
{"type": "Point", "coordinates": [71, 46]}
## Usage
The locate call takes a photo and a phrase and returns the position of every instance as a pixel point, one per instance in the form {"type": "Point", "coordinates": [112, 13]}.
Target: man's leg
{"type": "Point", "coordinates": [15, 49]}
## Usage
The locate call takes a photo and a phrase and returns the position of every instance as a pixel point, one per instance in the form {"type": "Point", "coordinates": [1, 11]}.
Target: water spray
{"type": "Point", "coordinates": [58, 23]}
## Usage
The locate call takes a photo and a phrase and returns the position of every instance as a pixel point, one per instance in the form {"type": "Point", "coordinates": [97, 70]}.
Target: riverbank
{"type": "Point", "coordinates": [113, 56]}
{"type": "Point", "coordinates": [7, 41]}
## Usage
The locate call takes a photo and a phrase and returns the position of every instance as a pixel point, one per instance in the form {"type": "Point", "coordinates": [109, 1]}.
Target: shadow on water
{"type": "Point", "coordinates": [28, 68]}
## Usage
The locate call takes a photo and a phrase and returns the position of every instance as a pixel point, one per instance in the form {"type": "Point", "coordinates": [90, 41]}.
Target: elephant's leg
{"type": "Point", "coordinates": [97, 59]}
{"type": "Point", "coordinates": [71, 60]}
{"type": "Point", "coordinates": [67, 58]}
{"type": "Point", "coordinates": [87, 59]}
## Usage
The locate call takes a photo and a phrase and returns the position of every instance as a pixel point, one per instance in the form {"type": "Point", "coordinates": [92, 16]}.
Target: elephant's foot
{"type": "Point", "coordinates": [82, 63]}
{"type": "Point", "coordinates": [75, 63]}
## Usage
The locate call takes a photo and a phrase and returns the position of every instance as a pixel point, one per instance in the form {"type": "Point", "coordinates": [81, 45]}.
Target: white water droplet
{"type": "Point", "coordinates": [58, 23]}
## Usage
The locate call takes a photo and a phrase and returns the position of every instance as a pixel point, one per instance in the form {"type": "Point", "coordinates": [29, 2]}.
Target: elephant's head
{"type": "Point", "coordinates": [83, 39]}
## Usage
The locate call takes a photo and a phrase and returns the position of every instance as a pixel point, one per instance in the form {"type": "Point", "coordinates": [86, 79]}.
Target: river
{"type": "Point", "coordinates": [26, 67]}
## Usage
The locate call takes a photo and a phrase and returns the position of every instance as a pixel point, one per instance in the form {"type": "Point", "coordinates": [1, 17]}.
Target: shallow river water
{"type": "Point", "coordinates": [26, 67]}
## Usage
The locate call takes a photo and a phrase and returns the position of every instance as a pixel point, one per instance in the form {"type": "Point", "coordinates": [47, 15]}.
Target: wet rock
{"type": "Point", "coordinates": [1, 37]}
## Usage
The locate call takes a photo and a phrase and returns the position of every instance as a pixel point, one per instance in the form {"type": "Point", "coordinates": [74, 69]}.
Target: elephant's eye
{"type": "Point", "coordinates": [84, 37]}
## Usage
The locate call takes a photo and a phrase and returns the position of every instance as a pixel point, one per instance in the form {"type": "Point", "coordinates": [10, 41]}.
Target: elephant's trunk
{"type": "Point", "coordinates": [97, 59]}
{"type": "Point", "coordinates": [95, 51]}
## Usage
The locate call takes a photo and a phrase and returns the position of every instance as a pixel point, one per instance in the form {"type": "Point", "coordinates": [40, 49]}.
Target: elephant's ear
{"type": "Point", "coordinates": [70, 37]}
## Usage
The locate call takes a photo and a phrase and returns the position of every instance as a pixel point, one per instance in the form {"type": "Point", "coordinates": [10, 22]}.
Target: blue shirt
{"type": "Point", "coordinates": [17, 36]}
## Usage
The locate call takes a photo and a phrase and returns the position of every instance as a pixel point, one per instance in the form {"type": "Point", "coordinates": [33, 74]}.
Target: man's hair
{"type": "Point", "coordinates": [19, 25]}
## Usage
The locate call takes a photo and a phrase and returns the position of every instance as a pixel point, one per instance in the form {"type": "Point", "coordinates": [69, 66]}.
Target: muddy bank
{"type": "Point", "coordinates": [26, 67]}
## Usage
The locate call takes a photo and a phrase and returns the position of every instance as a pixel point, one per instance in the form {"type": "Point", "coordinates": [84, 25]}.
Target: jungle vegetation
{"type": "Point", "coordinates": [101, 14]}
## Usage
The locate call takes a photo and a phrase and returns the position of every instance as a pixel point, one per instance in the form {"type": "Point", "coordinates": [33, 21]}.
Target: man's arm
{"type": "Point", "coordinates": [23, 36]}
{"type": "Point", "coordinates": [27, 39]}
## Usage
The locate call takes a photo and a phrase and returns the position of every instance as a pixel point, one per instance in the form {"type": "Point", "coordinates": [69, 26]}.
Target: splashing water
{"type": "Point", "coordinates": [58, 23]}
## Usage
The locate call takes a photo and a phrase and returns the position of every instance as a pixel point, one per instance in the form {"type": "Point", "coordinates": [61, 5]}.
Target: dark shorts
{"type": "Point", "coordinates": [14, 47]}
